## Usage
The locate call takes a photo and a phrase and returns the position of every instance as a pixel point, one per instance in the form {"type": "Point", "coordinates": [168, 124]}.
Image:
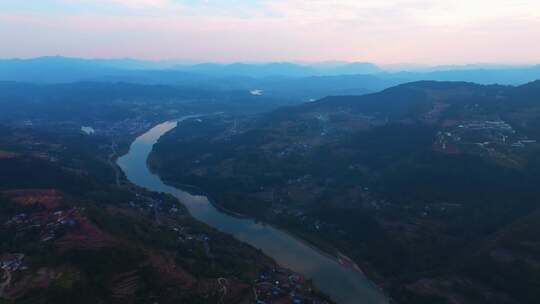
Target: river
{"type": "Point", "coordinates": [343, 284]}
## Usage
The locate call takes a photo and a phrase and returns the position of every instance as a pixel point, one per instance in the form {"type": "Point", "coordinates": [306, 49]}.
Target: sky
{"type": "Point", "coordinates": [379, 31]}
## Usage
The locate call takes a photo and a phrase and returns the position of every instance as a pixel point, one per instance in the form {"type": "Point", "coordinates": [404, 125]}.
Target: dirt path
{"type": "Point", "coordinates": [6, 281]}
{"type": "Point", "coordinates": [113, 163]}
{"type": "Point", "coordinates": [222, 282]}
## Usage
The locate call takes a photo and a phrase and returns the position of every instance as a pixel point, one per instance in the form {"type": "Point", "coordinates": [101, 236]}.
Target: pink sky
{"type": "Point", "coordinates": [384, 32]}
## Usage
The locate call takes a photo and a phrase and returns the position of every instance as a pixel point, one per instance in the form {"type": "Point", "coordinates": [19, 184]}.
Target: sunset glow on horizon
{"type": "Point", "coordinates": [384, 32]}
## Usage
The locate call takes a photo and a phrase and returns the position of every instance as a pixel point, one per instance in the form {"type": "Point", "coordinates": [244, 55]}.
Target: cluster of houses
{"type": "Point", "coordinates": [49, 225]}
{"type": "Point", "coordinates": [145, 202]}
{"type": "Point", "coordinates": [148, 203]}
{"type": "Point", "coordinates": [184, 236]}
{"type": "Point", "coordinates": [295, 149]}
{"type": "Point", "coordinates": [9, 263]}
{"type": "Point", "coordinates": [131, 126]}
{"type": "Point", "coordinates": [498, 125]}
{"type": "Point", "coordinates": [280, 285]}
{"type": "Point", "coordinates": [103, 127]}
{"type": "Point", "coordinates": [480, 135]}
{"type": "Point", "coordinates": [496, 131]}
{"type": "Point", "coordinates": [12, 262]}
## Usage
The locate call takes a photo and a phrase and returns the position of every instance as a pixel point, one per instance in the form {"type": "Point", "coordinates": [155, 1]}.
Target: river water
{"type": "Point", "coordinates": [343, 284]}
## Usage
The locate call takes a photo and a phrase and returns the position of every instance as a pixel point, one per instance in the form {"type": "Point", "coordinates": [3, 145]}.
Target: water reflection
{"type": "Point", "coordinates": [344, 285]}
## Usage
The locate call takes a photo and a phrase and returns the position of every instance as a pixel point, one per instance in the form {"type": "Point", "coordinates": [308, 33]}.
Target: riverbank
{"type": "Point", "coordinates": [315, 243]}
{"type": "Point", "coordinates": [341, 283]}
{"type": "Point", "coordinates": [321, 247]}
{"type": "Point", "coordinates": [326, 249]}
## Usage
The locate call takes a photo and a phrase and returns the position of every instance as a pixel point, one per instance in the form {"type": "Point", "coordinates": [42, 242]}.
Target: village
{"type": "Point", "coordinates": [10, 263]}
{"type": "Point", "coordinates": [280, 286]}
{"type": "Point", "coordinates": [46, 225]}
{"type": "Point", "coordinates": [273, 285]}
{"type": "Point", "coordinates": [481, 137]}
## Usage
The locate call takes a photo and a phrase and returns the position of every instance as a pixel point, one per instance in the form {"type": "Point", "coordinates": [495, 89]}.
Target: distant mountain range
{"type": "Point", "coordinates": [69, 69]}
{"type": "Point", "coordinates": [63, 69]}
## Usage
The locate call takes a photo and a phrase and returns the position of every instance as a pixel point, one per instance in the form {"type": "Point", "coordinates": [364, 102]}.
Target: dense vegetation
{"type": "Point", "coordinates": [72, 235]}
{"type": "Point", "coordinates": [430, 187]}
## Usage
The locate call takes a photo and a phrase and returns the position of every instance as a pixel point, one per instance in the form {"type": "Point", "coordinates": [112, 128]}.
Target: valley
{"type": "Point", "coordinates": [427, 189]}
{"type": "Point", "coordinates": [74, 230]}
{"type": "Point", "coordinates": [413, 183]}
{"type": "Point", "coordinates": [343, 283]}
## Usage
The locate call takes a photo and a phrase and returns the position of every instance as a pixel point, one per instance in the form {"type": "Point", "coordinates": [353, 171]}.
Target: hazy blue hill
{"type": "Point", "coordinates": [283, 80]}
{"type": "Point", "coordinates": [528, 88]}
{"type": "Point", "coordinates": [87, 101]}
{"type": "Point", "coordinates": [290, 81]}
{"type": "Point", "coordinates": [355, 68]}
{"type": "Point", "coordinates": [252, 70]}
{"type": "Point", "coordinates": [315, 87]}
{"type": "Point", "coordinates": [398, 102]}
{"type": "Point", "coordinates": [283, 69]}
{"type": "Point", "coordinates": [95, 90]}
{"type": "Point", "coordinates": [49, 69]}
{"type": "Point", "coordinates": [511, 76]}
{"type": "Point", "coordinates": [118, 63]}
{"type": "Point", "coordinates": [65, 69]}
{"type": "Point", "coordinates": [403, 99]}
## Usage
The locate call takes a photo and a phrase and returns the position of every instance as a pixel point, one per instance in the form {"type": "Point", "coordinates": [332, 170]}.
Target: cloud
{"type": "Point", "coordinates": [391, 31]}
{"type": "Point", "coordinates": [131, 4]}
{"type": "Point", "coordinates": [422, 11]}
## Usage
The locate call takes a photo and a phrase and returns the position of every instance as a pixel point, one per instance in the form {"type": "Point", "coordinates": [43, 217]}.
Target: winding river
{"type": "Point", "coordinates": [343, 284]}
